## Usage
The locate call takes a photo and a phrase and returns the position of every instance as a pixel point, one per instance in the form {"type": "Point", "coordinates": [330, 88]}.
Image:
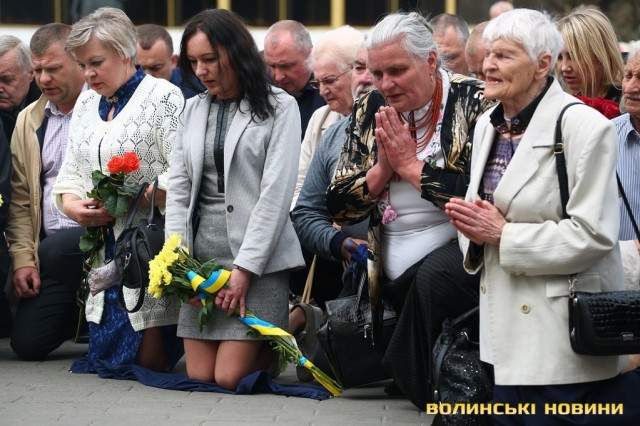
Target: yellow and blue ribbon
{"type": "Point", "coordinates": [210, 285]}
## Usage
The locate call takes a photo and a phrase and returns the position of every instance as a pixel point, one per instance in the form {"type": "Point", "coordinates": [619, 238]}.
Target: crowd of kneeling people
{"type": "Point", "coordinates": [430, 146]}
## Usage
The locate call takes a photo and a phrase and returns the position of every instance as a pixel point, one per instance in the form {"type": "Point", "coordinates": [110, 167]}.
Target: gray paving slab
{"type": "Point", "coordinates": [45, 393]}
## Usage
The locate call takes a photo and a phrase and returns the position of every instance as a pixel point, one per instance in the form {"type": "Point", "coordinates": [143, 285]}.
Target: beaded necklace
{"type": "Point", "coordinates": [428, 121]}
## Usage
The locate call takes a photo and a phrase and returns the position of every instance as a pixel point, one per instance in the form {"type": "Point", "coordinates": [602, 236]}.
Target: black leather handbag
{"type": "Point", "coordinates": [347, 340]}
{"type": "Point", "coordinates": [458, 374]}
{"type": "Point", "coordinates": [605, 323]}
{"type": "Point", "coordinates": [137, 245]}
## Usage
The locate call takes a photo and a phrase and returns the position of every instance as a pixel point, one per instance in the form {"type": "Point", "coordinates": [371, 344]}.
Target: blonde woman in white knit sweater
{"type": "Point", "coordinates": [124, 110]}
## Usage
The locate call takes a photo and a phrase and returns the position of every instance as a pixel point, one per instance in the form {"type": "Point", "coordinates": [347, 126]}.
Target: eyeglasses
{"type": "Point", "coordinates": [328, 81]}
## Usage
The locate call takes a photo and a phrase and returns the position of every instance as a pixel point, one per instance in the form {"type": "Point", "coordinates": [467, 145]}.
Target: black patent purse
{"type": "Point", "coordinates": [137, 245]}
{"type": "Point", "coordinates": [458, 374]}
{"type": "Point", "coordinates": [604, 323]}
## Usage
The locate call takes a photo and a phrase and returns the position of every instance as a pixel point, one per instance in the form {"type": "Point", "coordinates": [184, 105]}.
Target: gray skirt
{"type": "Point", "coordinates": [267, 298]}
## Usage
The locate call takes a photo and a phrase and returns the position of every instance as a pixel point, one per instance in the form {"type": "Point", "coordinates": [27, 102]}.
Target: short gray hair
{"type": "Point", "coordinates": [534, 30]}
{"type": "Point", "coordinates": [23, 55]}
{"type": "Point", "coordinates": [298, 32]}
{"type": "Point", "coordinates": [440, 24]}
{"type": "Point", "coordinates": [109, 25]}
{"type": "Point", "coordinates": [412, 29]}
{"type": "Point", "coordinates": [339, 46]}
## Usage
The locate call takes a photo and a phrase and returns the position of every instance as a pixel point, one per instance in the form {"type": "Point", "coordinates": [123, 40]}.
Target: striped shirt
{"type": "Point", "coordinates": [53, 149]}
{"type": "Point", "coordinates": [629, 172]}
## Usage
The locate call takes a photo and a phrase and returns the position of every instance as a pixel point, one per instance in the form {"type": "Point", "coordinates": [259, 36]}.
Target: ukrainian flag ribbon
{"type": "Point", "coordinates": [216, 281]}
{"type": "Point", "coordinates": [211, 285]}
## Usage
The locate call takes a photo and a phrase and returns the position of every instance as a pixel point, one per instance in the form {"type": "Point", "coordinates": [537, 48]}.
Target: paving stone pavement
{"type": "Point", "coordinates": [45, 393]}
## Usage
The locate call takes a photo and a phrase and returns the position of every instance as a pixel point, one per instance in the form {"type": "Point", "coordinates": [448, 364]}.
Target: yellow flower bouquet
{"type": "Point", "coordinates": [174, 272]}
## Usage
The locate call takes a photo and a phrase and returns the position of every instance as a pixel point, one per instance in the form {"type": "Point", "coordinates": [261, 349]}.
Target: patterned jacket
{"type": "Point", "coordinates": [348, 196]}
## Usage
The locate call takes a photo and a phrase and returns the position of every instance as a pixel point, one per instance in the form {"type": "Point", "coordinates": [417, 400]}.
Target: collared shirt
{"type": "Point", "coordinates": [308, 101]}
{"type": "Point", "coordinates": [629, 172]}
{"type": "Point", "coordinates": [121, 96]}
{"type": "Point", "coordinates": [53, 149]}
{"type": "Point", "coordinates": [509, 132]}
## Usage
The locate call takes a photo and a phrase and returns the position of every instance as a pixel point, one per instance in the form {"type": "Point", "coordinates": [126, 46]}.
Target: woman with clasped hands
{"type": "Point", "coordinates": [513, 230]}
{"type": "Point", "coordinates": [232, 176]}
{"type": "Point", "coordinates": [407, 153]}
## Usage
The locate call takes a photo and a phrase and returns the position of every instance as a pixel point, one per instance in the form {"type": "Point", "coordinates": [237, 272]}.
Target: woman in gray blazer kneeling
{"type": "Point", "coordinates": [232, 176]}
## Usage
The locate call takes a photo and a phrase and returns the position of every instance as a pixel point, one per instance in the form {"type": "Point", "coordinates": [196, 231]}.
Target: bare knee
{"type": "Point", "coordinates": [228, 379]}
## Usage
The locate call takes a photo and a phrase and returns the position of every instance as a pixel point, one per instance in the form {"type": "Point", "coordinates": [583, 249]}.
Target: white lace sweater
{"type": "Point", "coordinates": [147, 125]}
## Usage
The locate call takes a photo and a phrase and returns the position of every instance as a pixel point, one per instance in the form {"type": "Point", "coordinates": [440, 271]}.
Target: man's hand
{"type": "Point", "coordinates": [26, 282]}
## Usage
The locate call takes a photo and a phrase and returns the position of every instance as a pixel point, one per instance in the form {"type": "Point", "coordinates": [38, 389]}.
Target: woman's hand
{"type": "Point", "coordinates": [235, 292]}
{"type": "Point", "coordinates": [86, 212]}
{"type": "Point", "coordinates": [479, 221]}
{"type": "Point", "coordinates": [381, 172]}
{"type": "Point", "coordinates": [161, 196]}
{"type": "Point", "coordinates": [398, 145]}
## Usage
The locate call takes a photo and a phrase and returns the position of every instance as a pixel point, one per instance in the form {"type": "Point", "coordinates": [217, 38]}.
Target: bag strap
{"type": "Point", "coordinates": [134, 206]}
{"type": "Point", "coordinates": [152, 203]}
{"type": "Point", "coordinates": [627, 206]}
{"type": "Point", "coordinates": [561, 163]}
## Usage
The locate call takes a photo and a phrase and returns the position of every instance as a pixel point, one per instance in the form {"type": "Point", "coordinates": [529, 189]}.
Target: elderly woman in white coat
{"type": "Point", "coordinates": [231, 181]}
{"type": "Point", "coordinates": [514, 232]}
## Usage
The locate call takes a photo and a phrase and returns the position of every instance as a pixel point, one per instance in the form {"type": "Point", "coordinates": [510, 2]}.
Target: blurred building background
{"type": "Point", "coordinates": [625, 14]}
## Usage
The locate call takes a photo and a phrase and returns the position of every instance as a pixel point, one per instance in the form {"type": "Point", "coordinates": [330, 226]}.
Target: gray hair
{"type": "Point", "coordinates": [298, 33]}
{"type": "Point", "coordinates": [23, 55]}
{"type": "Point", "coordinates": [412, 29]}
{"type": "Point", "coordinates": [339, 46]}
{"type": "Point", "coordinates": [634, 50]}
{"type": "Point", "coordinates": [534, 30]}
{"type": "Point", "coordinates": [440, 24]}
{"type": "Point", "coordinates": [109, 25]}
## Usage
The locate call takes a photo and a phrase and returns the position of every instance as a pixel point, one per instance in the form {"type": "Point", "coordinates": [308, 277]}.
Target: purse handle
{"type": "Point", "coordinates": [136, 204]}
{"type": "Point", "coordinates": [628, 207]}
{"type": "Point", "coordinates": [561, 167]}
{"type": "Point", "coordinates": [561, 164]}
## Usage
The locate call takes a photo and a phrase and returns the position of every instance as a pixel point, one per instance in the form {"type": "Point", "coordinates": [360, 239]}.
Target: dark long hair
{"type": "Point", "coordinates": [226, 30]}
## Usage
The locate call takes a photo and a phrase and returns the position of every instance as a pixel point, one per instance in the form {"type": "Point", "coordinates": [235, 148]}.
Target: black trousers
{"type": "Point", "coordinates": [441, 289]}
{"type": "Point", "coordinates": [622, 389]}
{"type": "Point", "coordinates": [5, 312]}
{"type": "Point", "coordinates": [43, 322]}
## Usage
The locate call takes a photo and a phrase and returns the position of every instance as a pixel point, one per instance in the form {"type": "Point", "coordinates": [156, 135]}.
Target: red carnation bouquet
{"type": "Point", "coordinates": [115, 195]}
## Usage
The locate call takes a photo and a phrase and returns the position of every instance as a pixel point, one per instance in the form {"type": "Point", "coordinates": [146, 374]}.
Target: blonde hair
{"type": "Point", "coordinates": [109, 25]}
{"type": "Point", "coordinates": [590, 39]}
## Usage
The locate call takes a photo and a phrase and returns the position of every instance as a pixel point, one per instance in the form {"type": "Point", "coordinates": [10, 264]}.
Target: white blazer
{"type": "Point", "coordinates": [260, 168]}
{"type": "Point", "coordinates": [524, 283]}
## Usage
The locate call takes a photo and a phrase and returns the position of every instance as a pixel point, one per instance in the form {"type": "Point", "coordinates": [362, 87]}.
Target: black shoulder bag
{"type": "Point", "coordinates": [604, 323]}
{"type": "Point", "coordinates": [137, 245]}
{"type": "Point", "coordinates": [346, 336]}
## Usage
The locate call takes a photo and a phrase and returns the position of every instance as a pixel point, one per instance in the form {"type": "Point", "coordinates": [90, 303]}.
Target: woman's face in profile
{"type": "Point", "coordinates": [104, 70]}
{"type": "Point", "coordinates": [212, 67]}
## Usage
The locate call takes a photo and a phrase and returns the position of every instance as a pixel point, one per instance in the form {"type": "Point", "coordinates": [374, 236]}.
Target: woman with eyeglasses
{"type": "Point", "coordinates": [332, 60]}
